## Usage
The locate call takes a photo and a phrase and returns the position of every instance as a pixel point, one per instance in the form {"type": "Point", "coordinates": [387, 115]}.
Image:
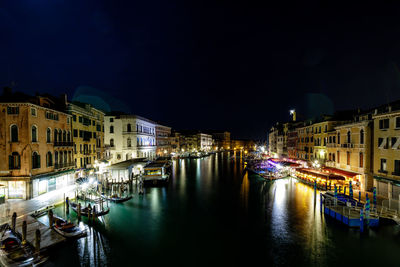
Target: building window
{"type": "Point", "coordinates": [14, 133]}
{"type": "Point", "coordinates": [129, 143]}
{"type": "Point", "coordinates": [80, 119]}
{"type": "Point", "coordinates": [35, 160]}
{"type": "Point", "coordinates": [49, 159]}
{"type": "Point", "coordinates": [12, 110]}
{"type": "Point", "coordinates": [333, 157]}
{"type": "Point", "coordinates": [338, 157]}
{"type": "Point", "coordinates": [362, 136]}
{"type": "Point", "coordinates": [55, 136]}
{"type": "Point", "coordinates": [384, 124]}
{"type": "Point", "coordinates": [64, 136]}
{"type": "Point", "coordinates": [34, 134]}
{"type": "Point", "coordinates": [111, 142]}
{"type": "Point", "coordinates": [48, 135]}
{"type": "Point", "coordinates": [33, 112]}
{"type": "Point", "coordinates": [74, 117]}
{"type": "Point", "coordinates": [14, 161]}
{"type": "Point", "coordinates": [348, 158]}
{"type": "Point", "coordinates": [383, 165]}
{"type": "Point", "coordinates": [397, 167]}
{"type": "Point", "coordinates": [111, 119]}
{"type": "Point", "coordinates": [338, 138]}
{"type": "Point", "coordinates": [361, 160]}
{"type": "Point", "coordinates": [128, 128]}
{"type": "Point", "coordinates": [348, 137]}
{"type": "Point", "coordinates": [111, 129]}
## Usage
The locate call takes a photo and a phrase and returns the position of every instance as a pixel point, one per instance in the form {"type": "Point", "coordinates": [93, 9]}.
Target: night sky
{"type": "Point", "coordinates": [216, 65]}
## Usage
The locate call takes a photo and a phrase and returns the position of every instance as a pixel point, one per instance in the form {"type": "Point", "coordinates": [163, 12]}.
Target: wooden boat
{"type": "Point", "coordinates": [85, 210]}
{"type": "Point", "coordinates": [14, 253]}
{"type": "Point", "coordinates": [42, 211]}
{"type": "Point", "coordinates": [116, 198]}
{"type": "Point", "coordinates": [67, 229]}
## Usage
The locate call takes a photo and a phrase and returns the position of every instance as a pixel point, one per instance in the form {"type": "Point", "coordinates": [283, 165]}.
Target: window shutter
{"type": "Point", "coordinates": [10, 163]}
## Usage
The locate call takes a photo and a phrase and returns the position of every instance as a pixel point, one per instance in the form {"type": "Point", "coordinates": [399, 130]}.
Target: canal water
{"type": "Point", "coordinates": [214, 213]}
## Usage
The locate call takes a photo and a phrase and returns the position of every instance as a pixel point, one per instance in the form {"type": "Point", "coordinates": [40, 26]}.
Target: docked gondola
{"type": "Point", "coordinates": [67, 229]}
{"type": "Point", "coordinates": [13, 252]}
{"type": "Point", "coordinates": [85, 210]}
{"type": "Point", "coordinates": [116, 198]}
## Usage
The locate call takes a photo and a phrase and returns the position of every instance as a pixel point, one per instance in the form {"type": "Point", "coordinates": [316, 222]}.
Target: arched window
{"type": "Point", "coordinates": [111, 142]}
{"type": "Point", "coordinates": [14, 161]}
{"type": "Point", "coordinates": [338, 138]}
{"type": "Point", "coordinates": [59, 135]}
{"type": "Point", "coordinates": [68, 136]}
{"type": "Point", "coordinates": [49, 159]}
{"type": "Point", "coordinates": [333, 156]}
{"type": "Point", "coordinates": [129, 143]}
{"type": "Point", "coordinates": [348, 137]}
{"type": "Point", "coordinates": [34, 133]}
{"type": "Point", "coordinates": [56, 157]}
{"type": "Point", "coordinates": [362, 136]}
{"type": "Point", "coordinates": [61, 157]}
{"type": "Point", "coordinates": [48, 136]}
{"type": "Point", "coordinates": [35, 160]}
{"type": "Point", "coordinates": [64, 136]}
{"type": "Point", "coordinates": [55, 135]}
{"type": "Point", "coordinates": [129, 127]}
{"type": "Point", "coordinates": [111, 129]}
{"type": "Point", "coordinates": [14, 133]}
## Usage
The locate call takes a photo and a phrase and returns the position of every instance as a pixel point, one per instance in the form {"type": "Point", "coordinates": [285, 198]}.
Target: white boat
{"type": "Point", "coordinates": [157, 171]}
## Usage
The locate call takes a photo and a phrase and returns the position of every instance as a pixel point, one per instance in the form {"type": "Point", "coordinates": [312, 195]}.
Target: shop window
{"type": "Point", "coordinates": [34, 134]}
{"type": "Point", "coordinates": [35, 160]}
{"type": "Point", "coordinates": [14, 161]}
{"type": "Point", "coordinates": [16, 189]}
{"type": "Point", "coordinates": [14, 133]}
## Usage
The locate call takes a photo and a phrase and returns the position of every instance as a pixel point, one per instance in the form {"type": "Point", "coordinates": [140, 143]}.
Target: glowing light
{"type": "Point", "coordinates": [292, 111]}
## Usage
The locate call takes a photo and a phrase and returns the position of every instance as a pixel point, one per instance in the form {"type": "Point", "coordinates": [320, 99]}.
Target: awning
{"type": "Point", "coordinates": [340, 172]}
{"type": "Point", "coordinates": [393, 181]}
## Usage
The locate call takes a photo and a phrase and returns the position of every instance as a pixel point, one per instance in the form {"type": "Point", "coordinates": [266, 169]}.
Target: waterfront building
{"type": "Point", "coordinates": [163, 140]}
{"type": "Point", "coordinates": [222, 140]}
{"type": "Point", "coordinates": [175, 144]}
{"type": "Point", "coordinates": [320, 132]}
{"type": "Point", "coordinates": [129, 136]}
{"type": "Point", "coordinates": [305, 141]}
{"type": "Point", "coordinates": [36, 145]}
{"type": "Point", "coordinates": [205, 142]}
{"type": "Point", "coordinates": [349, 151]}
{"type": "Point", "coordinates": [386, 149]}
{"type": "Point", "coordinates": [273, 140]}
{"type": "Point", "coordinates": [88, 134]}
{"type": "Point", "coordinates": [292, 140]}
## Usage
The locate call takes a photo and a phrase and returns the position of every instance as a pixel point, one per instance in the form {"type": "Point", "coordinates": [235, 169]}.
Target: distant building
{"type": "Point", "coordinates": [222, 141]}
{"type": "Point", "coordinates": [36, 151]}
{"type": "Point", "coordinates": [88, 134]}
{"type": "Point", "coordinates": [163, 140]}
{"type": "Point", "coordinates": [129, 136]}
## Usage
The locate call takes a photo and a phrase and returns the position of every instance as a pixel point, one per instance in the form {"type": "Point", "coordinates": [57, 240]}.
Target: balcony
{"type": "Point", "coordinates": [63, 165]}
{"type": "Point", "coordinates": [63, 144]}
{"type": "Point", "coordinates": [347, 145]}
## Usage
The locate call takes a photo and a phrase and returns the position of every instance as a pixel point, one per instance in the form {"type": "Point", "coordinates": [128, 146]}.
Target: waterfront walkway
{"type": "Point", "coordinates": [24, 207]}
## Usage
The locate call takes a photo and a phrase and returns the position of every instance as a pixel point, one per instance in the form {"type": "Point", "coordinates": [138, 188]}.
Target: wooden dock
{"type": "Point", "coordinates": [49, 237]}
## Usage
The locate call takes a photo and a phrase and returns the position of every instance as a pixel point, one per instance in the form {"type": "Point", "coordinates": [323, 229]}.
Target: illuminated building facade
{"type": "Point", "coordinates": [163, 140]}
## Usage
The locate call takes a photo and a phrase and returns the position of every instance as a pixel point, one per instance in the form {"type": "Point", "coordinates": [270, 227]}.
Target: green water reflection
{"type": "Point", "coordinates": [214, 213]}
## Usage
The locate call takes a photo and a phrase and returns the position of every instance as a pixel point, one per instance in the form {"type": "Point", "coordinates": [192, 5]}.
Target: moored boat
{"type": "Point", "coordinates": [67, 229]}
{"type": "Point", "coordinates": [116, 198]}
{"type": "Point", "coordinates": [85, 210]}
{"type": "Point", "coordinates": [14, 253]}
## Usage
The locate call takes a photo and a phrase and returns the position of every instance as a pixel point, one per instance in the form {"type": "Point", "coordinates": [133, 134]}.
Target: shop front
{"type": "Point", "coordinates": [43, 184]}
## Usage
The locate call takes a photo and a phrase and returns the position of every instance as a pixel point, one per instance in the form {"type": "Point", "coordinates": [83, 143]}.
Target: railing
{"type": "Point", "coordinates": [59, 143]}
{"type": "Point", "coordinates": [63, 165]}
{"type": "Point", "coordinates": [347, 145]}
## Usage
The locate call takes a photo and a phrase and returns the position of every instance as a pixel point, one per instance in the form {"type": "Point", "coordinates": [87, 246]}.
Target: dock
{"type": "Point", "coordinates": [48, 237]}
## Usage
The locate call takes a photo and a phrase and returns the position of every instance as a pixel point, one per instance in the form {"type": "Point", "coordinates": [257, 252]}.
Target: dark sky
{"type": "Point", "coordinates": [216, 65]}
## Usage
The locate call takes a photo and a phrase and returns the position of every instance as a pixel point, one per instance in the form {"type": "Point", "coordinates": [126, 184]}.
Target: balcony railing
{"type": "Point", "coordinates": [58, 143]}
{"type": "Point", "coordinates": [63, 165]}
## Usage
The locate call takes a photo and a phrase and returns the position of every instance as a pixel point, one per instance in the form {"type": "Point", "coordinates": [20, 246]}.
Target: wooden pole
{"type": "Point", "coordinates": [50, 218]}
{"type": "Point", "coordinates": [67, 204]}
{"type": "Point", "coordinates": [13, 221]}
{"type": "Point", "coordinates": [79, 211]}
{"type": "Point", "coordinates": [37, 240]}
{"type": "Point", "coordinates": [24, 232]}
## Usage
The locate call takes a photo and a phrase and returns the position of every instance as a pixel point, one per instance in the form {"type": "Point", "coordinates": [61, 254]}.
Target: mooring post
{"type": "Point", "coordinates": [361, 220]}
{"type": "Point", "coordinates": [320, 201]}
{"type": "Point", "coordinates": [94, 213]}
{"type": "Point", "coordinates": [79, 211]}
{"type": "Point", "coordinates": [50, 218]}
{"type": "Point", "coordinates": [37, 240]}
{"type": "Point", "coordinates": [24, 232]}
{"type": "Point", "coordinates": [14, 221]}
{"type": "Point", "coordinates": [67, 204]}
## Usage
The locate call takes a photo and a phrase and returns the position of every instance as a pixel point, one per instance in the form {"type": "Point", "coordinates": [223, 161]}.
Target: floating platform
{"type": "Point", "coordinates": [349, 217]}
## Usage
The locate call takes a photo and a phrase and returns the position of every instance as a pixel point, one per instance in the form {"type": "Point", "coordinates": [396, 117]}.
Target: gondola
{"type": "Point", "coordinates": [67, 229]}
{"type": "Point", "coordinates": [85, 210]}
{"type": "Point", "coordinates": [116, 199]}
{"type": "Point", "coordinates": [14, 253]}
{"type": "Point", "coordinates": [42, 211]}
